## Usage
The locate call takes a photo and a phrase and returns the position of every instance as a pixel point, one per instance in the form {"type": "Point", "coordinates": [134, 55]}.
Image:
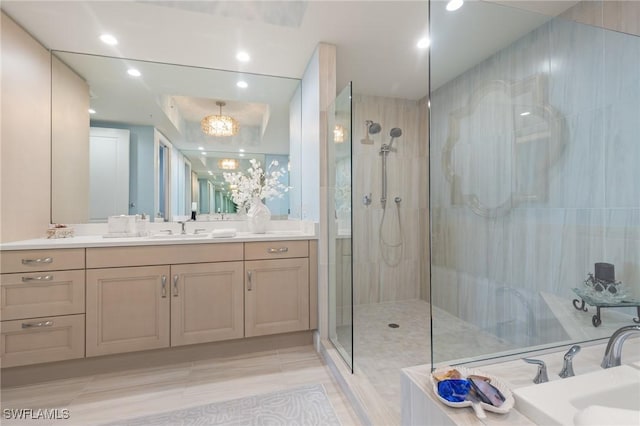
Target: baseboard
{"type": "Point", "coordinates": [39, 373]}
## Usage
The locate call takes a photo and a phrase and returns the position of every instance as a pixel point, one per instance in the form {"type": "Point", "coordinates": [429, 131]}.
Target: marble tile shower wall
{"type": "Point", "coordinates": [588, 204]}
{"type": "Point", "coordinates": [407, 170]}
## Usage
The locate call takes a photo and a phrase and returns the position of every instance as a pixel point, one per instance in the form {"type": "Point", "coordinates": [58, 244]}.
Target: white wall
{"type": "Point", "coordinates": [25, 142]}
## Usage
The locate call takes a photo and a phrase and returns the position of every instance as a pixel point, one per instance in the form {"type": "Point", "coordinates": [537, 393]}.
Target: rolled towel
{"type": "Point", "coordinates": [223, 233]}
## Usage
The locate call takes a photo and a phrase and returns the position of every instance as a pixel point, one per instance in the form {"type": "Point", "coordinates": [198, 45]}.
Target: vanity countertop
{"type": "Point", "coordinates": [303, 232]}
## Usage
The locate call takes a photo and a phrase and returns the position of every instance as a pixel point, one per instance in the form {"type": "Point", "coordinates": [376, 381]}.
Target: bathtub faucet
{"type": "Point", "coordinates": [613, 353]}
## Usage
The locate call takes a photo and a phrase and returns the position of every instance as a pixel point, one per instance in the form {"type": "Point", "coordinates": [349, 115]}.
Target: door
{"type": "Point", "coordinates": [127, 309]}
{"type": "Point", "coordinates": [206, 302]}
{"type": "Point", "coordinates": [276, 296]}
{"type": "Point", "coordinates": [109, 173]}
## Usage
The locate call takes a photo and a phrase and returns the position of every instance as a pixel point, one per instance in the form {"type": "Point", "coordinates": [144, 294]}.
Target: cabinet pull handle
{"type": "Point", "coordinates": [38, 278]}
{"type": "Point", "coordinates": [164, 286]}
{"type": "Point", "coordinates": [38, 261]}
{"type": "Point", "coordinates": [37, 324]}
{"type": "Point", "coordinates": [249, 281]}
{"type": "Point", "coordinates": [278, 250]}
{"type": "Point", "coordinates": [175, 286]}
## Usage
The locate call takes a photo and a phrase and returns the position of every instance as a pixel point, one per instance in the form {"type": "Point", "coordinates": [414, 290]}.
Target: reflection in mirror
{"type": "Point", "coordinates": [173, 165]}
{"type": "Point", "coordinates": [534, 153]}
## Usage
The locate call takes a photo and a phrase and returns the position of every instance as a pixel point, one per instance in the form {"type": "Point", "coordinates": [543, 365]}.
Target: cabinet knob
{"type": "Point", "coordinates": [38, 261]}
{"type": "Point", "coordinates": [38, 278]}
{"type": "Point", "coordinates": [278, 250]}
{"type": "Point", "coordinates": [175, 285]}
{"type": "Point", "coordinates": [37, 324]}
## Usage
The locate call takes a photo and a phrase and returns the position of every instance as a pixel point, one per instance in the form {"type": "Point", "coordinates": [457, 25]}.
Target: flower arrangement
{"type": "Point", "coordinates": [256, 183]}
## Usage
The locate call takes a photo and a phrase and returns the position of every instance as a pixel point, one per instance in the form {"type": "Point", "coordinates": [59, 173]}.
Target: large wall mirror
{"type": "Point", "coordinates": [127, 137]}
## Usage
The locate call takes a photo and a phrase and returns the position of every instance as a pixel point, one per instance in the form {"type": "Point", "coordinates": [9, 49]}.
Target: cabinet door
{"type": "Point", "coordinates": [127, 309]}
{"type": "Point", "coordinates": [41, 294]}
{"type": "Point", "coordinates": [206, 302]}
{"type": "Point", "coordinates": [276, 296]}
{"type": "Point", "coordinates": [39, 340]}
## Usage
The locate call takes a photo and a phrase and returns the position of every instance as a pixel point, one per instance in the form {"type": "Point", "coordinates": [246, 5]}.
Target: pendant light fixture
{"type": "Point", "coordinates": [219, 125]}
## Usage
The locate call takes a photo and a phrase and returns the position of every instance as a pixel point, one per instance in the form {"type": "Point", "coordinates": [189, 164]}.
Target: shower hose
{"type": "Point", "coordinates": [384, 245]}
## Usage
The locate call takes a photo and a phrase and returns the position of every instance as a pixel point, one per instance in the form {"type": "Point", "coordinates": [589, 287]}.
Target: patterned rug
{"type": "Point", "coordinates": [302, 406]}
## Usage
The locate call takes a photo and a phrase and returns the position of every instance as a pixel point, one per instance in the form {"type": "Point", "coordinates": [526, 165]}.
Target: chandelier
{"type": "Point", "coordinates": [228, 163]}
{"type": "Point", "coordinates": [219, 125]}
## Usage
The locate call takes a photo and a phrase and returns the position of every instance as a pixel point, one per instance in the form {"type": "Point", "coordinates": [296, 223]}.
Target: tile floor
{"type": "Point", "coordinates": [380, 352]}
{"type": "Point", "coordinates": [127, 394]}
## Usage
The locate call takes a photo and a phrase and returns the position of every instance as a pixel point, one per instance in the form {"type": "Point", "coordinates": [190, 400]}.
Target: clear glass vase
{"type": "Point", "coordinates": [258, 216]}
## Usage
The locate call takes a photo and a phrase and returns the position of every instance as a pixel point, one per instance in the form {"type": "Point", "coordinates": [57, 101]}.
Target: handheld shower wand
{"type": "Point", "coordinates": [384, 151]}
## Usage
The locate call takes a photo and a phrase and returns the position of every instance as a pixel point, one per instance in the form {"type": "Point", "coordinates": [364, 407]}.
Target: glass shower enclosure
{"type": "Point", "coordinates": [340, 229]}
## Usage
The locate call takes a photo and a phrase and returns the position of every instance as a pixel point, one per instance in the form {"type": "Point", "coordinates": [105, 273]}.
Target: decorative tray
{"type": "Point", "coordinates": [479, 406]}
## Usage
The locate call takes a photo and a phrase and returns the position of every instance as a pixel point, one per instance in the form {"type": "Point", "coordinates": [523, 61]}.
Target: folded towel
{"type": "Point", "coordinates": [122, 235]}
{"type": "Point", "coordinates": [223, 233]}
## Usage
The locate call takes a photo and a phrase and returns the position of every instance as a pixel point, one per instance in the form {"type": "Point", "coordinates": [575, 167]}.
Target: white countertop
{"type": "Point", "coordinates": [516, 373]}
{"type": "Point", "coordinates": [296, 231]}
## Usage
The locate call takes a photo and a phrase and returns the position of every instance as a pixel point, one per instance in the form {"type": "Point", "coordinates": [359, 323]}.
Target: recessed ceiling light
{"type": "Point", "coordinates": [242, 84]}
{"type": "Point", "coordinates": [454, 5]}
{"type": "Point", "coordinates": [241, 150]}
{"type": "Point", "coordinates": [241, 155]}
{"type": "Point", "coordinates": [203, 153]}
{"type": "Point", "coordinates": [423, 43]}
{"type": "Point", "coordinates": [524, 114]}
{"type": "Point", "coordinates": [243, 56]}
{"type": "Point", "coordinates": [201, 148]}
{"type": "Point", "coordinates": [109, 39]}
{"type": "Point", "coordinates": [92, 111]}
{"type": "Point", "coordinates": [134, 72]}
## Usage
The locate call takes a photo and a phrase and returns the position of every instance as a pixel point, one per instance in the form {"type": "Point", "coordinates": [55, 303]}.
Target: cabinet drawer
{"type": "Point", "coordinates": [42, 340]}
{"type": "Point", "coordinates": [41, 294]}
{"type": "Point", "coordinates": [276, 250]}
{"type": "Point", "coordinates": [109, 257]}
{"type": "Point", "coordinates": [41, 260]}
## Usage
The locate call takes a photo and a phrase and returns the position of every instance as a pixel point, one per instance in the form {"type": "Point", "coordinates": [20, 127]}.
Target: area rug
{"type": "Point", "coordinates": [305, 405]}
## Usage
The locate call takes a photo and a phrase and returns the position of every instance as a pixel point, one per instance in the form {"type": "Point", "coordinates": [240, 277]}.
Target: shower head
{"type": "Point", "coordinates": [373, 128]}
{"type": "Point", "coordinates": [396, 132]}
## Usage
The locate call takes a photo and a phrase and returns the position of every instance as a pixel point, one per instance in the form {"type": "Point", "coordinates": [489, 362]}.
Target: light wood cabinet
{"type": "Point", "coordinates": [42, 305]}
{"type": "Point", "coordinates": [127, 309]}
{"type": "Point", "coordinates": [71, 303]}
{"type": "Point", "coordinates": [39, 340]}
{"type": "Point", "coordinates": [276, 296]}
{"type": "Point", "coordinates": [41, 294]}
{"type": "Point", "coordinates": [206, 302]}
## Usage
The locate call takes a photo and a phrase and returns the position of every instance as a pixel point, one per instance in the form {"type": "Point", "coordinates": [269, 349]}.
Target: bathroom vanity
{"type": "Point", "coordinates": [90, 296]}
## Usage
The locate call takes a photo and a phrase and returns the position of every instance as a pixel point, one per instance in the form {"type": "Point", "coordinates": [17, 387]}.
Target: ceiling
{"type": "Point", "coordinates": [376, 40]}
{"type": "Point", "coordinates": [375, 43]}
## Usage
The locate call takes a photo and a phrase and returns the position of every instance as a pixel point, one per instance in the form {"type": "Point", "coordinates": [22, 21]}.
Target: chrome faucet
{"type": "Point", "coordinates": [183, 230]}
{"type": "Point", "coordinates": [613, 353]}
{"type": "Point", "coordinates": [567, 366]}
{"type": "Point", "coordinates": [541, 375]}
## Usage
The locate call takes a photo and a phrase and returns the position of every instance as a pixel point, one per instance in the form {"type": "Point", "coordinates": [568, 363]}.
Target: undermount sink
{"type": "Point", "coordinates": [611, 394]}
{"type": "Point", "coordinates": [178, 236]}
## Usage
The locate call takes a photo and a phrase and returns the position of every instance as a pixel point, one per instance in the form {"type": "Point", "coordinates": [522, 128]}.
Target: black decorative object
{"type": "Point", "coordinates": [605, 272]}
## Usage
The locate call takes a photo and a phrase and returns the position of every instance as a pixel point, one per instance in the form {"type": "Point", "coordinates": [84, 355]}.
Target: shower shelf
{"type": "Point", "coordinates": [588, 299]}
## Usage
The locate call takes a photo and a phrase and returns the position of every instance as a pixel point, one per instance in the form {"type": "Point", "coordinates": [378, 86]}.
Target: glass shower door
{"type": "Point", "coordinates": [339, 204]}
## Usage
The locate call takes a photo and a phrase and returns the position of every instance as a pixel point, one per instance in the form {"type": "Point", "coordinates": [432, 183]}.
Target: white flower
{"type": "Point", "coordinates": [256, 183]}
